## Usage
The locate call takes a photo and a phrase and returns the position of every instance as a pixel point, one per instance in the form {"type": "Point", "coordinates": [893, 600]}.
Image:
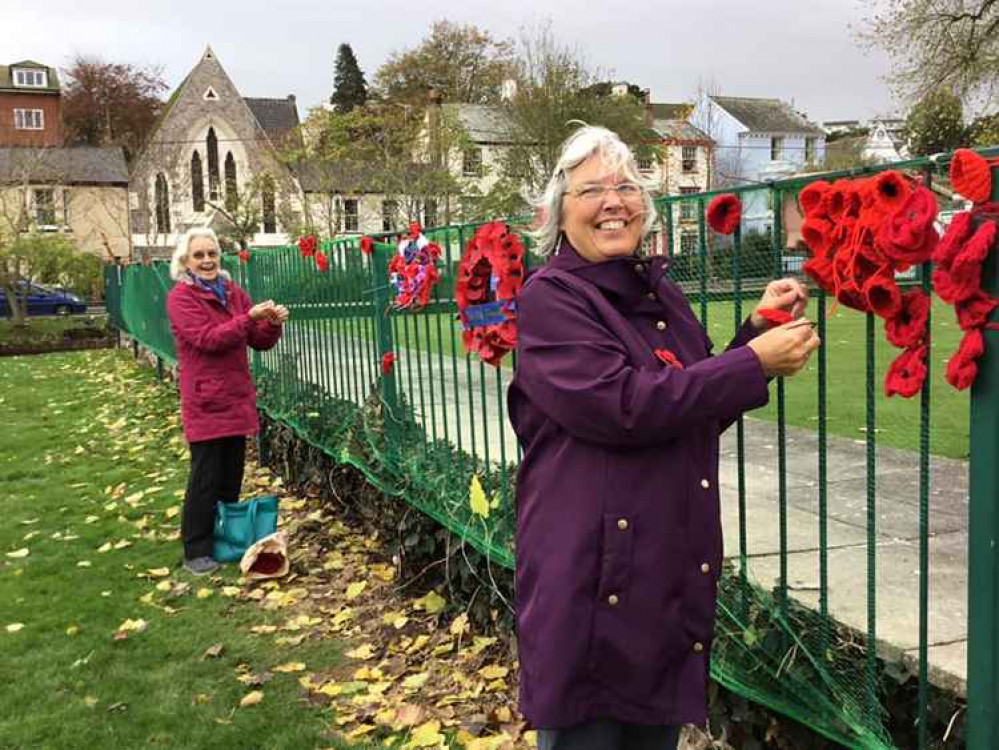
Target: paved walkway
{"type": "Point", "coordinates": [484, 430]}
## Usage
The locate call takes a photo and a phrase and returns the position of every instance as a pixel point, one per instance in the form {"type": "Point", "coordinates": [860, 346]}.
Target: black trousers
{"type": "Point", "coordinates": [609, 735]}
{"type": "Point", "coordinates": [216, 475]}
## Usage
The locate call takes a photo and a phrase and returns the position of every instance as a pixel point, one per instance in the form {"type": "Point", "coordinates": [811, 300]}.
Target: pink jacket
{"type": "Point", "coordinates": [217, 395]}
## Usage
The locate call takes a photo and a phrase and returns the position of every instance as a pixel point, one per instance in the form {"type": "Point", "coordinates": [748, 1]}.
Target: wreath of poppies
{"type": "Point", "coordinates": [413, 270]}
{"type": "Point", "coordinates": [490, 275]}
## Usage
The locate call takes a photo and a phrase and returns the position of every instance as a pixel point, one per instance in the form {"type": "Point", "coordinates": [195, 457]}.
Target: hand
{"type": "Point", "coordinates": [261, 310]}
{"type": "Point", "coordinates": [789, 295]}
{"type": "Point", "coordinates": [279, 314]}
{"type": "Point", "coordinates": [786, 349]}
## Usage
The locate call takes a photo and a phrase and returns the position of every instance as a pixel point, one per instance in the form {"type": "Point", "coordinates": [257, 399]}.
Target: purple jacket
{"type": "Point", "coordinates": [217, 395]}
{"type": "Point", "coordinates": [619, 538]}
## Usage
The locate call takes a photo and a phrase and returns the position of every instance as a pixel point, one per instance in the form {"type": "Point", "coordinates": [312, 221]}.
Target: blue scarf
{"type": "Point", "coordinates": [217, 287]}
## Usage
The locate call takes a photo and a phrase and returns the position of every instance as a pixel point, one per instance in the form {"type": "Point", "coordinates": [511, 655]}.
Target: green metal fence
{"type": "Point", "coordinates": [812, 620]}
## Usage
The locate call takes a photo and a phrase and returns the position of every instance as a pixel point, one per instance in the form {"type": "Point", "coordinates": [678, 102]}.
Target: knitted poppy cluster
{"type": "Point", "coordinates": [860, 233]}
{"type": "Point", "coordinates": [724, 213]}
{"type": "Point", "coordinates": [413, 270]}
{"type": "Point", "coordinates": [307, 245]}
{"type": "Point", "coordinates": [957, 280]}
{"type": "Point", "coordinates": [491, 270]}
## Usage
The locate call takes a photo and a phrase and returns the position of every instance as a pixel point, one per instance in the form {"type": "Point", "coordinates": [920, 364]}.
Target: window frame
{"type": "Point", "coordinates": [43, 76]}
{"type": "Point", "coordinates": [37, 115]}
{"type": "Point", "coordinates": [37, 208]}
{"type": "Point", "coordinates": [688, 163]}
{"type": "Point", "coordinates": [351, 219]}
{"type": "Point", "coordinates": [776, 147]}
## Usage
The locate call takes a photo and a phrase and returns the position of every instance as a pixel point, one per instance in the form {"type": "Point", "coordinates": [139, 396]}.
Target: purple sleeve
{"type": "Point", "coordinates": [746, 333]}
{"type": "Point", "coordinates": [188, 322]}
{"type": "Point", "coordinates": [580, 375]}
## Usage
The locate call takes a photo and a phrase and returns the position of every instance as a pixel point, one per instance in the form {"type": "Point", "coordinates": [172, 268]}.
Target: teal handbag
{"type": "Point", "coordinates": [239, 525]}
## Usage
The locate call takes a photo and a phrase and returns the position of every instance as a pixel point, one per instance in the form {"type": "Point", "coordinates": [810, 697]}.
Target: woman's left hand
{"type": "Point", "coordinates": [789, 295]}
{"type": "Point", "coordinates": [280, 314]}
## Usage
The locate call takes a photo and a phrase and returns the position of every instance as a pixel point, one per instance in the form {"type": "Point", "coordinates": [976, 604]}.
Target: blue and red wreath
{"type": "Point", "coordinates": [490, 275]}
{"type": "Point", "coordinates": [413, 270]}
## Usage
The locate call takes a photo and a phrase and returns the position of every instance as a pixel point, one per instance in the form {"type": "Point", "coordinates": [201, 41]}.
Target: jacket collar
{"type": "Point", "coordinates": [628, 279]}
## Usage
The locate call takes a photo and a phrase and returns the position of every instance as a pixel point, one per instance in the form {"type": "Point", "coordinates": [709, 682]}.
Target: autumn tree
{"type": "Point", "coordinates": [938, 44]}
{"type": "Point", "coordinates": [349, 87]}
{"type": "Point", "coordinates": [935, 124]}
{"type": "Point", "coordinates": [462, 62]}
{"type": "Point", "coordinates": [110, 104]}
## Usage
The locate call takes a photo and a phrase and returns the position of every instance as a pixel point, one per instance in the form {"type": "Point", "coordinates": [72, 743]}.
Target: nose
{"type": "Point", "coordinates": [612, 200]}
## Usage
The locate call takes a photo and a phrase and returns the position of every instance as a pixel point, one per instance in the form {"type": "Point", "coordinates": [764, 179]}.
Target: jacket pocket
{"type": "Point", "coordinates": [617, 542]}
{"type": "Point", "coordinates": [210, 394]}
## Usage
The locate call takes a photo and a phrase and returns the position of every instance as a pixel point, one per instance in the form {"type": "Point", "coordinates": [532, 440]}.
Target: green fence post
{"type": "Point", "coordinates": [983, 533]}
{"type": "Point", "coordinates": [381, 302]}
{"type": "Point", "coordinates": [253, 289]}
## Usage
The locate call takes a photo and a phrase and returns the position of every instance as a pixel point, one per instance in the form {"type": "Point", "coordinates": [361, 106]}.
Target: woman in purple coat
{"type": "Point", "coordinates": [213, 321]}
{"type": "Point", "coordinates": [618, 404]}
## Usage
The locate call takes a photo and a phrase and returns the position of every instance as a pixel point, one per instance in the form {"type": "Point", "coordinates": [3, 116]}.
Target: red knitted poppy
{"type": "Point", "coordinates": [367, 245]}
{"type": "Point", "coordinates": [974, 311]}
{"type": "Point", "coordinates": [958, 232]}
{"type": "Point", "coordinates": [669, 358]}
{"type": "Point", "coordinates": [244, 255]}
{"type": "Point", "coordinates": [890, 190]}
{"type": "Point", "coordinates": [966, 268]}
{"type": "Point", "coordinates": [724, 213]}
{"type": "Point", "coordinates": [907, 373]}
{"type": "Point", "coordinates": [883, 296]}
{"type": "Point", "coordinates": [307, 245]}
{"type": "Point", "coordinates": [908, 235]}
{"type": "Point", "coordinates": [841, 200]}
{"type": "Point", "coordinates": [322, 262]}
{"type": "Point", "coordinates": [817, 234]}
{"type": "Point", "coordinates": [774, 316]}
{"type": "Point", "coordinates": [970, 175]}
{"type": "Point", "coordinates": [820, 270]}
{"type": "Point", "coordinates": [810, 197]}
{"type": "Point", "coordinates": [908, 327]}
{"type": "Point", "coordinates": [962, 369]}
{"type": "Point", "coordinates": [388, 362]}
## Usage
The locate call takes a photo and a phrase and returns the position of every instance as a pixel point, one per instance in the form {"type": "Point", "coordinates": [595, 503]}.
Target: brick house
{"type": "Point", "coordinates": [30, 105]}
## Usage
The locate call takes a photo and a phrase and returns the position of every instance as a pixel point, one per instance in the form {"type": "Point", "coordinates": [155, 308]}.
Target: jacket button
{"type": "Point", "coordinates": [639, 268]}
{"type": "Point", "coordinates": [661, 325]}
{"type": "Point", "coordinates": [705, 568]}
{"type": "Point", "coordinates": [622, 523]}
{"type": "Point", "coordinates": [705, 483]}
{"type": "Point", "coordinates": [651, 295]}
{"type": "Point", "coordinates": [698, 647]}
{"type": "Point", "coordinates": [612, 600]}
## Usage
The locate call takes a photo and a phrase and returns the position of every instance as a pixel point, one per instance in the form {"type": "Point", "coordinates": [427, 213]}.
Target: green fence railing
{"type": "Point", "coordinates": [844, 509]}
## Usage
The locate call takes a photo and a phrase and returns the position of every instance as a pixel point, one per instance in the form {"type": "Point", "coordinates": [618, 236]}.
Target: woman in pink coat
{"type": "Point", "coordinates": [213, 321]}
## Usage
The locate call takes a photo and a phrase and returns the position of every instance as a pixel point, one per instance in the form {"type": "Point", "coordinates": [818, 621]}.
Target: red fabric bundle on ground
{"type": "Point", "coordinates": [962, 369]}
{"type": "Point", "coordinates": [724, 213]}
{"type": "Point", "coordinates": [906, 374]}
{"type": "Point", "coordinates": [908, 327]}
{"type": "Point", "coordinates": [970, 175]}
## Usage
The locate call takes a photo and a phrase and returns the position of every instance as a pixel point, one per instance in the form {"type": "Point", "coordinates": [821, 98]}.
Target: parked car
{"type": "Point", "coordinates": [43, 300]}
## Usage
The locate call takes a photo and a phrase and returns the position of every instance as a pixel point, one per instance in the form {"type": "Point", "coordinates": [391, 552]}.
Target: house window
{"type": "Point", "coordinates": [162, 202]}
{"type": "Point", "coordinates": [390, 210]}
{"type": "Point", "coordinates": [351, 220]}
{"type": "Point", "coordinates": [231, 196]}
{"type": "Point", "coordinates": [267, 205]}
{"type": "Point", "coordinates": [645, 163]}
{"type": "Point", "coordinates": [688, 208]}
{"type": "Point", "coordinates": [688, 158]}
{"type": "Point", "coordinates": [45, 208]}
{"type": "Point", "coordinates": [29, 119]}
{"type": "Point", "coordinates": [197, 182]}
{"type": "Point", "coordinates": [776, 148]}
{"type": "Point", "coordinates": [34, 78]}
{"type": "Point", "coordinates": [430, 213]}
{"type": "Point", "coordinates": [688, 242]}
{"type": "Point", "coordinates": [809, 150]}
{"type": "Point", "coordinates": [212, 144]}
{"type": "Point", "coordinates": [471, 162]}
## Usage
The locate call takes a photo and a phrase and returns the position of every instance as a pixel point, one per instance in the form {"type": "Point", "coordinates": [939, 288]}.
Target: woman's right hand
{"type": "Point", "coordinates": [785, 350]}
{"type": "Point", "coordinates": [261, 310]}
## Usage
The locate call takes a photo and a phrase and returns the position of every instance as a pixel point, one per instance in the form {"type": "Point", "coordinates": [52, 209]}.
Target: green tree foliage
{"type": "Point", "coordinates": [349, 87]}
{"type": "Point", "coordinates": [984, 131]}
{"type": "Point", "coordinates": [935, 124]}
{"type": "Point", "coordinates": [461, 62]}
{"type": "Point", "coordinates": [43, 257]}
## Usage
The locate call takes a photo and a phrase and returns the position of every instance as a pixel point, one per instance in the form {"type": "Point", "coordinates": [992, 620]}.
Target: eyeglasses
{"type": "Point", "coordinates": [628, 192]}
{"type": "Point", "coordinates": [198, 255]}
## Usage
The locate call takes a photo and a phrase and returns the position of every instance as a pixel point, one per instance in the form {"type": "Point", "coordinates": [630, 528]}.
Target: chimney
{"type": "Point", "coordinates": [509, 90]}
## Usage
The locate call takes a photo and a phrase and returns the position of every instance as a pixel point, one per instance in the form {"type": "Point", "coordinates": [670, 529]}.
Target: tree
{"type": "Point", "coordinates": [984, 131]}
{"type": "Point", "coordinates": [349, 87]}
{"type": "Point", "coordinates": [110, 104]}
{"type": "Point", "coordinates": [935, 124]}
{"type": "Point", "coordinates": [463, 63]}
{"type": "Point", "coordinates": [937, 44]}
{"type": "Point", "coordinates": [556, 91]}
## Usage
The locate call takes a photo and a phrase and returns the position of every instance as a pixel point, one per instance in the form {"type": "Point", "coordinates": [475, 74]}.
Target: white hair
{"type": "Point", "coordinates": [178, 263]}
{"type": "Point", "coordinates": [578, 147]}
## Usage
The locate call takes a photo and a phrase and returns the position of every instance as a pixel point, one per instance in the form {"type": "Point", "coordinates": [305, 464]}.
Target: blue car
{"type": "Point", "coordinates": [43, 300]}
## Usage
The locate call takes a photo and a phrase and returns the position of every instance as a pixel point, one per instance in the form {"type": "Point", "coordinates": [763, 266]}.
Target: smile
{"type": "Point", "coordinates": [611, 225]}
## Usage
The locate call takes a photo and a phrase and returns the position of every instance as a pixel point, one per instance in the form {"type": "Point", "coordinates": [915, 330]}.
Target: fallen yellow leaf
{"type": "Point", "coordinates": [205, 593]}
{"type": "Point", "coordinates": [365, 651]}
{"type": "Point", "coordinates": [251, 699]}
{"type": "Point", "coordinates": [292, 666]}
{"type": "Point", "coordinates": [14, 627]}
{"type": "Point", "coordinates": [494, 672]}
{"type": "Point", "coordinates": [477, 498]}
{"type": "Point", "coordinates": [19, 553]}
{"type": "Point", "coordinates": [158, 572]}
{"type": "Point", "coordinates": [354, 590]}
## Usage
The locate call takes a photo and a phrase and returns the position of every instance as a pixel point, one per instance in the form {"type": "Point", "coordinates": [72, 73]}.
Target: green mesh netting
{"type": "Point", "coordinates": [423, 431]}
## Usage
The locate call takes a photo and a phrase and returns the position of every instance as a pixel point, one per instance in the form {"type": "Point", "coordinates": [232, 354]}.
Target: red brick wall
{"type": "Point", "coordinates": [51, 135]}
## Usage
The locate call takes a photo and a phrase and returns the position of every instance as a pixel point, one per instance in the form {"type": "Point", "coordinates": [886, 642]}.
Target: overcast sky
{"type": "Point", "coordinates": [804, 53]}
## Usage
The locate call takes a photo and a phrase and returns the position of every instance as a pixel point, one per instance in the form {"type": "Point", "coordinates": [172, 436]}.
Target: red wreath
{"type": "Point", "coordinates": [491, 270]}
{"type": "Point", "coordinates": [413, 269]}
{"type": "Point", "coordinates": [724, 213]}
{"type": "Point", "coordinates": [307, 245]}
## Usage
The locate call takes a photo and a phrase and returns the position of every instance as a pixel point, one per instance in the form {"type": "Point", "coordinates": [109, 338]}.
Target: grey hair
{"type": "Point", "coordinates": [178, 262]}
{"type": "Point", "coordinates": [578, 147]}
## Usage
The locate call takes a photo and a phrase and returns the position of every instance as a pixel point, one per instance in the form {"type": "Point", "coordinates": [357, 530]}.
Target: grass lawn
{"type": "Point", "coordinates": [92, 467]}
{"type": "Point", "coordinates": [897, 419]}
{"type": "Point", "coordinates": [43, 329]}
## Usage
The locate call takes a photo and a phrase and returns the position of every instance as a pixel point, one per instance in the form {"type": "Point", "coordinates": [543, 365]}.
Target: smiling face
{"type": "Point", "coordinates": [203, 258]}
{"type": "Point", "coordinates": [602, 224]}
